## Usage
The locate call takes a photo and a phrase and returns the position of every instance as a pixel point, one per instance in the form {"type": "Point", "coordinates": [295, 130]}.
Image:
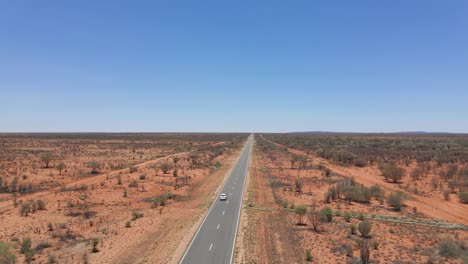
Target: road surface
{"type": "Point", "coordinates": [215, 239]}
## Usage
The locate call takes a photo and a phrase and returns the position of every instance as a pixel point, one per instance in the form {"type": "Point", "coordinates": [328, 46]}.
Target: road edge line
{"type": "Point", "coordinates": [213, 203]}
{"type": "Point", "coordinates": [241, 201]}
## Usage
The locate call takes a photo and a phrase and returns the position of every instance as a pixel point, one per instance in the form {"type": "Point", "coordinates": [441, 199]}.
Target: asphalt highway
{"type": "Point", "coordinates": [215, 239]}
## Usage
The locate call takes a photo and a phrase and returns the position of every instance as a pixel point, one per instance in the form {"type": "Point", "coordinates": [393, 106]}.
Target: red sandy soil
{"type": "Point", "coordinates": [271, 233]}
{"type": "Point", "coordinates": [157, 237]}
{"type": "Point", "coordinates": [433, 207]}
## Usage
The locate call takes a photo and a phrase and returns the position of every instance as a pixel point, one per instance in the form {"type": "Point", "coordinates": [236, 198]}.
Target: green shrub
{"type": "Point", "coordinates": [360, 162]}
{"type": "Point", "coordinates": [347, 216]}
{"type": "Point", "coordinates": [365, 228]}
{"type": "Point", "coordinates": [377, 192]}
{"type": "Point", "coordinates": [326, 214]}
{"type": "Point", "coordinates": [25, 209]}
{"type": "Point", "coordinates": [449, 249]}
{"type": "Point", "coordinates": [142, 177]}
{"type": "Point", "coordinates": [309, 257]}
{"type": "Point", "coordinates": [300, 210]}
{"type": "Point", "coordinates": [393, 172]}
{"type": "Point", "coordinates": [376, 245]}
{"type": "Point", "coordinates": [41, 246]}
{"type": "Point", "coordinates": [6, 254]}
{"type": "Point", "coordinates": [95, 242]}
{"type": "Point", "coordinates": [395, 200]}
{"type": "Point", "coordinates": [25, 245]}
{"type": "Point", "coordinates": [349, 250]}
{"type": "Point", "coordinates": [41, 205]}
{"type": "Point", "coordinates": [361, 217]}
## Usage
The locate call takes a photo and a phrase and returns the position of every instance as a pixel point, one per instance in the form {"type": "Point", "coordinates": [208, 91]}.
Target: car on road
{"type": "Point", "coordinates": [222, 197]}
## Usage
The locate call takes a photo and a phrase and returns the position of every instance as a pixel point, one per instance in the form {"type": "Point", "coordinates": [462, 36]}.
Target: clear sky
{"type": "Point", "coordinates": [273, 66]}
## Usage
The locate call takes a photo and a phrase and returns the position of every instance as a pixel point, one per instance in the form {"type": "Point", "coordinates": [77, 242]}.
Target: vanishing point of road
{"type": "Point", "coordinates": [214, 241]}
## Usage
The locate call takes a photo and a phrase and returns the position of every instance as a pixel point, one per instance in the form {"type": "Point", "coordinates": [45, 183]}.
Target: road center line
{"type": "Point", "coordinates": [218, 226]}
{"type": "Point", "coordinates": [223, 212]}
{"type": "Point", "coordinates": [210, 246]}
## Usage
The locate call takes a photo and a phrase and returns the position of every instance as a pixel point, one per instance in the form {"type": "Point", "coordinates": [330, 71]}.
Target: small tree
{"type": "Point", "coordinates": [25, 209]}
{"type": "Point", "coordinates": [300, 210]}
{"type": "Point", "coordinates": [293, 161]}
{"type": "Point", "coordinates": [14, 184]}
{"type": "Point", "coordinates": [395, 200]}
{"type": "Point", "coordinates": [314, 217]}
{"type": "Point", "coordinates": [166, 167]}
{"type": "Point", "coordinates": [326, 214]}
{"type": "Point", "coordinates": [40, 205]}
{"type": "Point", "coordinates": [95, 166]}
{"type": "Point", "coordinates": [393, 173]}
{"type": "Point", "coordinates": [365, 228]}
{"type": "Point", "coordinates": [60, 167]}
{"type": "Point", "coordinates": [298, 186]}
{"type": "Point", "coordinates": [47, 158]}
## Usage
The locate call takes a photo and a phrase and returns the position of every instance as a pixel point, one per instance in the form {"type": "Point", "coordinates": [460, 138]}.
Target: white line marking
{"type": "Point", "coordinates": [212, 205]}
{"type": "Point", "coordinates": [223, 212]}
{"type": "Point", "coordinates": [227, 202]}
{"type": "Point", "coordinates": [211, 246]}
{"type": "Point", "coordinates": [218, 226]}
{"type": "Point", "coordinates": [240, 204]}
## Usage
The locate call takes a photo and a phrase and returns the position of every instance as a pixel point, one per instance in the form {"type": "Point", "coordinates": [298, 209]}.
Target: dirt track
{"type": "Point", "coordinates": [450, 211]}
{"type": "Point", "coordinates": [267, 236]}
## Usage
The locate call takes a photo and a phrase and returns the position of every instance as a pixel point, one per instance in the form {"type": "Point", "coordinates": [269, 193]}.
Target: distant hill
{"type": "Point", "coordinates": [386, 133]}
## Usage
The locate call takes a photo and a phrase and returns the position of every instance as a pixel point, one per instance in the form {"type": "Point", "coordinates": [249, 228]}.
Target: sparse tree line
{"type": "Point", "coordinates": [30, 207]}
{"type": "Point", "coordinates": [452, 172]}
{"type": "Point", "coordinates": [15, 186]}
{"type": "Point", "coordinates": [361, 150]}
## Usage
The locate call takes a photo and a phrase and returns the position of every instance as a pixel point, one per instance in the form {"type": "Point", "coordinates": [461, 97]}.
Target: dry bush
{"type": "Point", "coordinates": [392, 172]}
{"type": "Point", "coordinates": [463, 196]}
{"type": "Point", "coordinates": [7, 256]}
{"type": "Point", "coordinates": [166, 167]}
{"type": "Point", "coordinates": [365, 228]}
{"type": "Point", "coordinates": [395, 200]}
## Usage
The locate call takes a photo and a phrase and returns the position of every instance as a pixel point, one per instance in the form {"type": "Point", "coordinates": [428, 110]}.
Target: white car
{"type": "Point", "coordinates": [222, 197]}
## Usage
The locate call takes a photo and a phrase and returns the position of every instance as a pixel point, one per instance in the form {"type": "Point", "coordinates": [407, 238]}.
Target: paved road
{"type": "Point", "coordinates": [215, 238]}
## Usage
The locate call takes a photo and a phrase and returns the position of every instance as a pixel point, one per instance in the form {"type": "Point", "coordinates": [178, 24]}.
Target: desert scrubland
{"type": "Point", "coordinates": [357, 198]}
{"type": "Point", "coordinates": [107, 198]}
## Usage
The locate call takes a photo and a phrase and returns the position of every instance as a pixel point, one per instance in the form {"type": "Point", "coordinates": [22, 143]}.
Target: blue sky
{"type": "Point", "coordinates": [273, 66]}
